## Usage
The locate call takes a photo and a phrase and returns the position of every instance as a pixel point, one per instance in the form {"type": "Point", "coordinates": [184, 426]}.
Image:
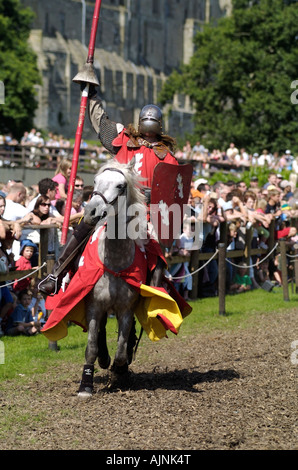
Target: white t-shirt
{"type": "Point", "coordinates": [13, 210]}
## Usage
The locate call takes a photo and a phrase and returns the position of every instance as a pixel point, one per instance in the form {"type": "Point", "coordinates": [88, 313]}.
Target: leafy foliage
{"type": "Point", "coordinates": [239, 78]}
{"type": "Point", "coordinates": [18, 68]}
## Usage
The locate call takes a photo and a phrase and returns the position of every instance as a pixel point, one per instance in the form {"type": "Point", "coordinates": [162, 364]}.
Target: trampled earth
{"type": "Point", "coordinates": [232, 390]}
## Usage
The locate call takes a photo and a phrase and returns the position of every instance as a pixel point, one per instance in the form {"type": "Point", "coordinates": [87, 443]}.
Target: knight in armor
{"type": "Point", "coordinates": [147, 145]}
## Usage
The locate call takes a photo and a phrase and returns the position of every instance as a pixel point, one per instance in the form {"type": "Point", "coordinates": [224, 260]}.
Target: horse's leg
{"type": "Point", "coordinates": [104, 359]}
{"type": "Point", "coordinates": [86, 385]}
{"type": "Point", "coordinates": [120, 365]}
{"type": "Point", "coordinates": [157, 273]}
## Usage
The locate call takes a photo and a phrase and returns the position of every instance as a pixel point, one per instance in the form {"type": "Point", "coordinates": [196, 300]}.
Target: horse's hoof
{"type": "Point", "coordinates": [85, 393]}
{"type": "Point", "coordinates": [119, 370]}
{"type": "Point", "coordinates": [104, 364]}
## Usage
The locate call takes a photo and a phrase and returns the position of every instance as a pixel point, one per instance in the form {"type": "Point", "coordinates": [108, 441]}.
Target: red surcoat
{"type": "Point", "coordinates": [145, 157]}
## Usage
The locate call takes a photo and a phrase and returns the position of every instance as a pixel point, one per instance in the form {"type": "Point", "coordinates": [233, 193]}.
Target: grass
{"type": "Point", "coordinates": [24, 356]}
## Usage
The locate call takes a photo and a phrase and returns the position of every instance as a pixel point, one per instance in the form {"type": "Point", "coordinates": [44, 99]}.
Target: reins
{"type": "Point", "coordinates": [98, 193]}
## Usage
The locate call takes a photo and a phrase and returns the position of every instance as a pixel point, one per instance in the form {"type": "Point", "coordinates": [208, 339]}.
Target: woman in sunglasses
{"type": "Point", "coordinates": [42, 210]}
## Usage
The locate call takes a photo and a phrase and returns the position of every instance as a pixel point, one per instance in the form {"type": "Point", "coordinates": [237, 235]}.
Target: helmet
{"type": "Point", "coordinates": [150, 120]}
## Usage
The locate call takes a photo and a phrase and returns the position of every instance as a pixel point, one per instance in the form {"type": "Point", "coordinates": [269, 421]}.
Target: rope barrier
{"type": "Point", "coordinates": [197, 270]}
{"type": "Point", "coordinates": [25, 277]}
{"type": "Point", "coordinates": [256, 264]}
{"type": "Point", "coordinates": [291, 256]}
{"type": "Point", "coordinates": [233, 264]}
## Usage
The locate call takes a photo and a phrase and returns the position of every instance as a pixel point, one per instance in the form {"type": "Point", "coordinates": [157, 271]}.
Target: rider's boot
{"type": "Point", "coordinates": [52, 283]}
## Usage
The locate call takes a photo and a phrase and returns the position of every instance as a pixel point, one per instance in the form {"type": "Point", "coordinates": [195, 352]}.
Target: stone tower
{"type": "Point", "coordinates": [138, 44]}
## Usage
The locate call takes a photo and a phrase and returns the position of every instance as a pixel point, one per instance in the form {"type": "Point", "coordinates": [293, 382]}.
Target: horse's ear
{"type": "Point", "coordinates": [131, 164]}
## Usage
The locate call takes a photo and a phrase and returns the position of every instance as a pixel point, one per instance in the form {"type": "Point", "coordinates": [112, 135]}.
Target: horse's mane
{"type": "Point", "coordinates": [132, 178]}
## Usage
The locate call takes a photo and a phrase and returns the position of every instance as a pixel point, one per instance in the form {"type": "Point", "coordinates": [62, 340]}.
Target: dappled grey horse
{"type": "Point", "coordinates": [117, 205]}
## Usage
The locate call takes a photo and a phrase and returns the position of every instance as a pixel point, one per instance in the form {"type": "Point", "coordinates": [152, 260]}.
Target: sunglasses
{"type": "Point", "coordinates": [44, 204]}
{"type": "Point", "coordinates": [79, 185]}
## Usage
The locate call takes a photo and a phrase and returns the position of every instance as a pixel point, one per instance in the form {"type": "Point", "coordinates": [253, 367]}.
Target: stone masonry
{"type": "Point", "coordinates": [138, 44]}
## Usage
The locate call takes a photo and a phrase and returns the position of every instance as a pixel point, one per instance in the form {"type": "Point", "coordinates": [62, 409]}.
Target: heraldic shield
{"type": "Point", "coordinates": [169, 193]}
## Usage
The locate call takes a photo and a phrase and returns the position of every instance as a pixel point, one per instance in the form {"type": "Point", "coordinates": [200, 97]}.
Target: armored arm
{"type": "Point", "coordinates": [106, 129]}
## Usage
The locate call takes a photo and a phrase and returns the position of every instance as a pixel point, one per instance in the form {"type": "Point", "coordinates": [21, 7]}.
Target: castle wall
{"type": "Point", "coordinates": [139, 42]}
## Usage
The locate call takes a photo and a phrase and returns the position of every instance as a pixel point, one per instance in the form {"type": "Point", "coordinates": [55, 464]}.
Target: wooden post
{"type": "Point", "coordinates": [222, 278]}
{"type": "Point", "coordinates": [284, 270]}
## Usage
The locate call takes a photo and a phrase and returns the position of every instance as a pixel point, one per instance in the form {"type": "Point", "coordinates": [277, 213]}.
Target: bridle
{"type": "Point", "coordinates": [122, 189]}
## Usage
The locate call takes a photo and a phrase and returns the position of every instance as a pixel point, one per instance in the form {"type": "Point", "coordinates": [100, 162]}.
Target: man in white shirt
{"type": "Point", "coordinates": [15, 210]}
{"type": "Point", "coordinates": [47, 187]}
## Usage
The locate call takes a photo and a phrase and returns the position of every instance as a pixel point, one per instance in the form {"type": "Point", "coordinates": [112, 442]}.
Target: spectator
{"type": "Point", "coordinates": [31, 193]}
{"type": "Point", "coordinates": [46, 187]}
{"type": "Point", "coordinates": [187, 150]}
{"type": "Point", "coordinates": [241, 185]}
{"type": "Point", "coordinates": [264, 159]}
{"type": "Point", "coordinates": [241, 281]}
{"type": "Point", "coordinates": [79, 183]}
{"type": "Point", "coordinates": [28, 249]}
{"type": "Point", "coordinates": [272, 181]}
{"type": "Point", "coordinates": [231, 152]}
{"type": "Point", "coordinates": [6, 298]}
{"type": "Point", "coordinates": [37, 305]}
{"type": "Point", "coordinates": [87, 194]}
{"type": "Point", "coordinates": [198, 148]}
{"type": "Point", "coordinates": [231, 246]}
{"type": "Point", "coordinates": [287, 190]}
{"type": "Point", "coordinates": [180, 271]}
{"type": "Point", "coordinates": [77, 200]}
{"type": "Point", "coordinates": [223, 193]}
{"type": "Point", "coordinates": [42, 212]}
{"type": "Point", "coordinates": [21, 321]}
{"type": "Point", "coordinates": [62, 178]}
{"type": "Point", "coordinates": [8, 226]}
{"type": "Point", "coordinates": [273, 204]}
{"type": "Point", "coordinates": [254, 182]}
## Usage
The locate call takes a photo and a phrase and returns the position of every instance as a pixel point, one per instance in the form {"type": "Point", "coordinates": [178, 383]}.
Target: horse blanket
{"type": "Point", "coordinates": [157, 309]}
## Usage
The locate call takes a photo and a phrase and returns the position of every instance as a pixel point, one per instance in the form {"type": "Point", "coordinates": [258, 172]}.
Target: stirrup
{"type": "Point", "coordinates": [53, 279]}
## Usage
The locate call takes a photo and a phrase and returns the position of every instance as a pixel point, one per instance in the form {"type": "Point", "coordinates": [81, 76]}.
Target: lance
{"type": "Point", "coordinates": [87, 76]}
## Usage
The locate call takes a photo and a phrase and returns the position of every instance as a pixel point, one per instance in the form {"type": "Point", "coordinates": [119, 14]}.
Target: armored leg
{"type": "Point", "coordinates": [52, 283]}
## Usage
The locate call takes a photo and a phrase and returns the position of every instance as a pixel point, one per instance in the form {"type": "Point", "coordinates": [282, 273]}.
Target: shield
{"type": "Point", "coordinates": [169, 193]}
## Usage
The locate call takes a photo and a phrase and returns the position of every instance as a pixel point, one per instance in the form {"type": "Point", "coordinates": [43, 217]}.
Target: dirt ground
{"type": "Point", "coordinates": [225, 391]}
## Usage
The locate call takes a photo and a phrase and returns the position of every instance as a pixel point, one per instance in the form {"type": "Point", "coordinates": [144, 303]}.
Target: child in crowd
{"type": "Point", "coordinates": [37, 305]}
{"type": "Point", "coordinates": [180, 271]}
{"type": "Point", "coordinates": [241, 282]}
{"type": "Point", "coordinates": [28, 249]}
{"type": "Point", "coordinates": [21, 322]}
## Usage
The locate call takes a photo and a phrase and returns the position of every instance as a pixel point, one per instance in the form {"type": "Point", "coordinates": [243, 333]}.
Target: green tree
{"type": "Point", "coordinates": [18, 68]}
{"type": "Point", "coordinates": [239, 78]}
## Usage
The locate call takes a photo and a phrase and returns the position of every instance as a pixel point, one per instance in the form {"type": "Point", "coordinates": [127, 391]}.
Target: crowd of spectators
{"type": "Point", "coordinates": [52, 149]}
{"type": "Point", "coordinates": [47, 151]}
{"type": "Point", "coordinates": [255, 208]}
{"type": "Point", "coordinates": [239, 157]}
{"type": "Point", "coordinates": [22, 211]}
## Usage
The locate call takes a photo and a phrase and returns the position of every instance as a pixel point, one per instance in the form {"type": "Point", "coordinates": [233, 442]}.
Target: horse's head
{"type": "Point", "coordinates": [116, 189]}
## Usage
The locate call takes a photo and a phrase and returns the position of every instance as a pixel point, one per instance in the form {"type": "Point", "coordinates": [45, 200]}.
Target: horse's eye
{"type": "Point", "coordinates": [121, 186]}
